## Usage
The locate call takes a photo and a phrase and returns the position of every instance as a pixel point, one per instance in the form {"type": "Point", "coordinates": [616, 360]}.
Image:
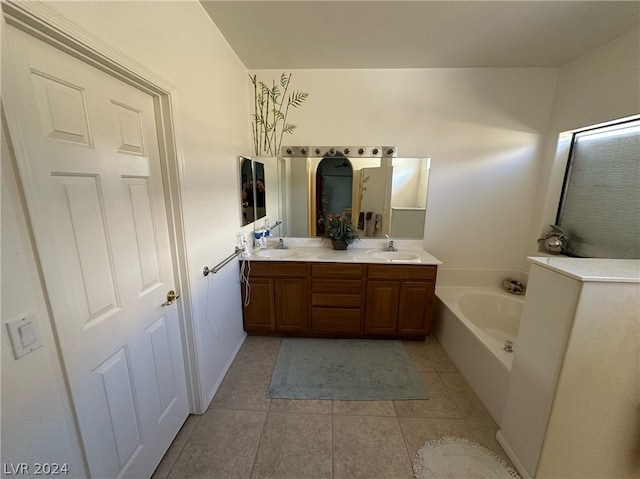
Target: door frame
{"type": "Point", "coordinates": [39, 20]}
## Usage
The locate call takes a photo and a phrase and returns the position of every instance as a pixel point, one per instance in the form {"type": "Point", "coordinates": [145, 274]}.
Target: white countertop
{"type": "Point", "coordinates": [366, 251]}
{"type": "Point", "coordinates": [592, 269]}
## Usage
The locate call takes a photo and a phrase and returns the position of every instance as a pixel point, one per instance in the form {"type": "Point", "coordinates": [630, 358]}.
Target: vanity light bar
{"type": "Point", "coordinates": [339, 151]}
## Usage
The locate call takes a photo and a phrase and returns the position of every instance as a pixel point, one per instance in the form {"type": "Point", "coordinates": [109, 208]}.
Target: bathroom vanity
{"type": "Point", "coordinates": [316, 292]}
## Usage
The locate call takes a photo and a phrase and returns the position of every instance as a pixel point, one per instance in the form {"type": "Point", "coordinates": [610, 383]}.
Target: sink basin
{"type": "Point", "coordinates": [395, 255]}
{"type": "Point", "coordinates": [275, 253]}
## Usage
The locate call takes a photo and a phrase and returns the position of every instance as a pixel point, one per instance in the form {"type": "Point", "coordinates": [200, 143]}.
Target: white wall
{"type": "Point", "coordinates": [601, 86]}
{"type": "Point", "coordinates": [179, 43]}
{"type": "Point", "coordinates": [482, 128]}
{"type": "Point", "coordinates": [594, 428]}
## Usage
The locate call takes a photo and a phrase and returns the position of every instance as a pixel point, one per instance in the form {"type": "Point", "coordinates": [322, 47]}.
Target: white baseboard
{"type": "Point", "coordinates": [512, 455]}
{"type": "Point", "coordinates": [215, 387]}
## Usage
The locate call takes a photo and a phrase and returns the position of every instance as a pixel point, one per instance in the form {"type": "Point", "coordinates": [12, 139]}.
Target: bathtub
{"type": "Point", "coordinates": [472, 325]}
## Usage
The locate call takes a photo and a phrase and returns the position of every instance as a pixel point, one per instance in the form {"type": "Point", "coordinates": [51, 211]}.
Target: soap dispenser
{"type": "Point", "coordinates": [260, 239]}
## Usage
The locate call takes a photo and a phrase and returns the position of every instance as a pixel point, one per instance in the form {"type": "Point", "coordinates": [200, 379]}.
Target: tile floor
{"type": "Point", "coordinates": [244, 434]}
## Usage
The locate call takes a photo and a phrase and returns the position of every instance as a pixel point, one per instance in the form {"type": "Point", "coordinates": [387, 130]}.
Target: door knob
{"type": "Point", "coordinates": [171, 298]}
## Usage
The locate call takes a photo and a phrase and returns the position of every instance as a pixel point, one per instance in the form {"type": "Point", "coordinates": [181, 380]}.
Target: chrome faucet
{"type": "Point", "coordinates": [390, 246]}
{"type": "Point", "coordinates": [281, 245]}
{"type": "Point", "coordinates": [513, 286]}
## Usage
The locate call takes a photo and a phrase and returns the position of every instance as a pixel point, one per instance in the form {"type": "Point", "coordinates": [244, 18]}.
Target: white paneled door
{"type": "Point", "coordinates": [87, 151]}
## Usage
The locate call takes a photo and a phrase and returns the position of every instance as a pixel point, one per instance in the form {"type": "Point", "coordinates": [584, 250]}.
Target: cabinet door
{"type": "Point", "coordinates": [415, 308]}
{"type": "Point", "coordinates": [381, 309]}
{"type": "Point", "coordinates": [291, 304]}
{"type": "Point", "coordinates": [259, 314]}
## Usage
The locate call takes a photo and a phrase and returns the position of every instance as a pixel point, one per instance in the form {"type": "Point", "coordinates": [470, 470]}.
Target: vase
{"type": "Point", "coordinates": [338, 244]}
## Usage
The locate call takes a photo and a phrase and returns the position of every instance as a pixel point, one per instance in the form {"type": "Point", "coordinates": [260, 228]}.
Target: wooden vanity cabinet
{"type": "Point", "coordinates": [381, 310]}
{"type": "Point", "coordinates": [399, 300]}
{"type": "Point", "coordinates": [340, 300]}
{"type": "Point", "coordinates": [259, 315]}
{"type": "Point", "coordinates": [415, 308]}
{"type": "Point", "coordinates": [337, 298]}
{"type": "Point", "coordinates": [278, 298]}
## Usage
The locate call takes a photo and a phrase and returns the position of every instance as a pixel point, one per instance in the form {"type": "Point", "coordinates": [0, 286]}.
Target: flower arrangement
{"type": "Point", "coordinates": [339, 228]}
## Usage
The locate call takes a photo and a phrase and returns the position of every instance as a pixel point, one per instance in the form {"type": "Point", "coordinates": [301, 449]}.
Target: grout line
{"type": "Point", "coordinates": [395, 409]}
{"type": "Point", "coordinates": [333, 462]}
{"type": "Point", "coordinates": [406, 446]}
{"type": "Point", "coordinates": [466, 423]}
{"type": "Point", "coordinates": [266, 416]}
{"type": "Point", "coordinates": [260, 437]}
{"type": "Point", "coordinates": [186, 440]}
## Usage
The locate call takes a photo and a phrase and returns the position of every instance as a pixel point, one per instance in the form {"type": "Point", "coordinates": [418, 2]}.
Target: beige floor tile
{"type": "Point", "coordinates": [431, 339]}
{"type": "Point", "coordinates": [369, 447]}
{"type": "Point", "coordinates": [417, 431]}
{"type": "Point", "coordinates": [244, 388]}
{"type": "Point", "coordinates": [223, 444]}
{"type": "Point", "coordinates": [439, 404]}
{"type": "Point", "coordinates": [301, 405]}
{"type": "Point", "coordinates": [258, 351]}
{"type": "Point", "coordinates": [466, 400]}
{"type": "Point", "coordinates": [294, 446]}
{"type": "Point", "coordinates": [169, 459]}
{"type": "Point", "coordinates": [245, 434]}
{"type": "Point", "coordinates": [414, 345]}
{"type": "Point", "coordinates": [418, 353]}
{"type": "Point", "coordinates": [439, 358]}
{"type": "Point", "coordinates": [484, 431]}
{"type": "Point", "coordinates": [364, 408]}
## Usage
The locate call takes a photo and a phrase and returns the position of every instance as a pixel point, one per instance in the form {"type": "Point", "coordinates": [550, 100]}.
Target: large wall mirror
{"type": "Point", "coordinates": [384, 196]}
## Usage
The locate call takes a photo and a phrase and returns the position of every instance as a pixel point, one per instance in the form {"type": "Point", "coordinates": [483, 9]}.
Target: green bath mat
{"type": "Point", "coordinates": [345, 369]}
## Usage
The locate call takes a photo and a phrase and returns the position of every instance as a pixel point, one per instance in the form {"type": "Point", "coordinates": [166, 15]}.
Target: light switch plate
{"type": "Point", "coordinates": [24, 334]}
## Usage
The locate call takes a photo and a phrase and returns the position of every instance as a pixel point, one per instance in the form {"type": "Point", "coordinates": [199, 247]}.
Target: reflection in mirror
{"type": "Point", "coordinates": [334, 187]}
{"type": "Point", "coordinates": [253, 190]}
{"type": "Point", "coordinates": [409, 197]}
{"type": "Point", "coordinates": [261, 206]}
{"type": "Point", "coordinates": [383, 195]}
{"type": "Point", "coordinates": [259, 190]}
{"type": "Point", "coordinates": [246, 191]}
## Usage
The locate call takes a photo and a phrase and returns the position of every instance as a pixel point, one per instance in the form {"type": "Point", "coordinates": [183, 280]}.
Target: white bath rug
{"type": "Point", "coordinates": [458, 458]}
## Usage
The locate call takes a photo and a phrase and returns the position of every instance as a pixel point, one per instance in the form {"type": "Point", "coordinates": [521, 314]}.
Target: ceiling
{"type": "Point", "coordinates": [418, 34]}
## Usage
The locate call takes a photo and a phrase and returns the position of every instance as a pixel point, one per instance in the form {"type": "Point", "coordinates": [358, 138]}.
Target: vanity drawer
{"type": "Point", "coordinates": [352, 286]}
{"type": "Point", "coordinates": [278, 269]}
{"type": "Point", "coordinates": [329, 320]}
{"type": "Point", "coordinates": [336, 300]}
{"type": "Point", "coordinates": [401, 272]}
{"type": "Point", "coordinates": [337, 270]}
